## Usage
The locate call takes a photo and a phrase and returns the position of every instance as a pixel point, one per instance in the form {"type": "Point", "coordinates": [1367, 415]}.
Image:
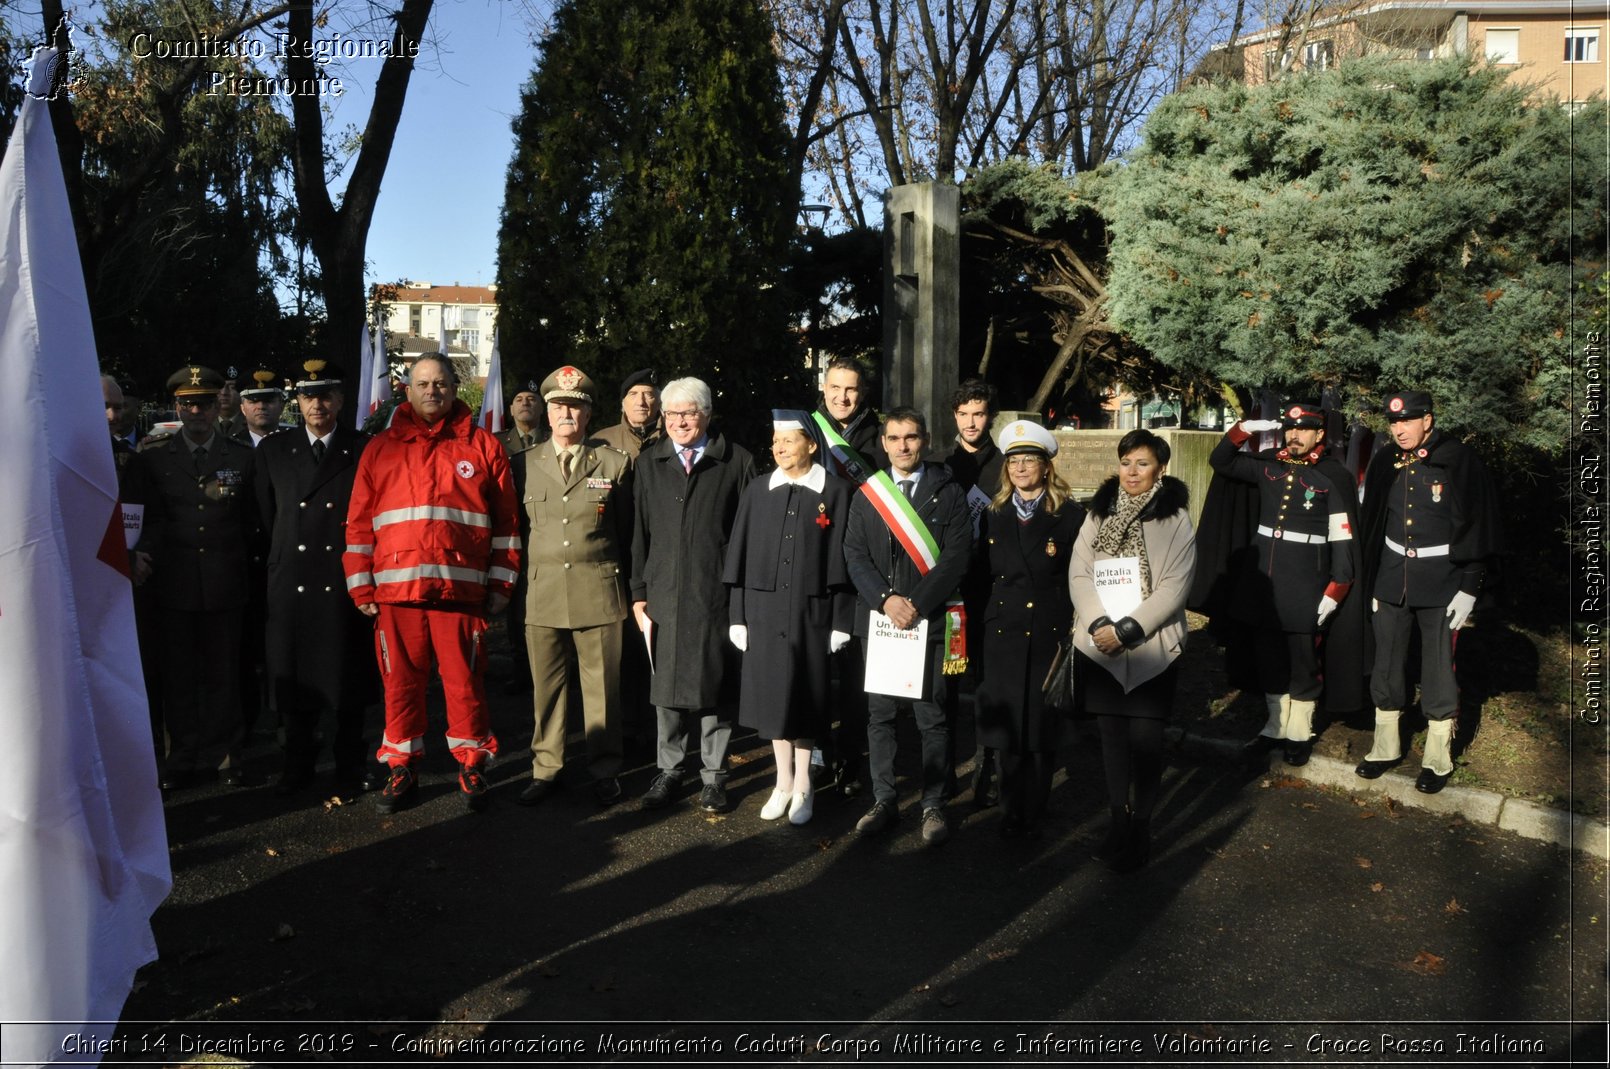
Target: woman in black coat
{"type": "Point", "coordinates": [1024, 545]}
{"type": "Point", "coordinates": [791, 605]}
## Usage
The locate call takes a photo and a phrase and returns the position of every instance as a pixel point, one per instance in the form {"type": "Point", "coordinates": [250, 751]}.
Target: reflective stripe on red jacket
{"type": "Point", "coordinates": [433, 515]}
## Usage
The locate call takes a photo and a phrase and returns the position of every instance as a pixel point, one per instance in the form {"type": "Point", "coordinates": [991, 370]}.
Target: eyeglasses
{"type": "Point", "coordinates": [682, 417]}
{"type": "Point", "coordinates": [197, 404]}
{"type": "Point", "coordinates": [1022, 461]}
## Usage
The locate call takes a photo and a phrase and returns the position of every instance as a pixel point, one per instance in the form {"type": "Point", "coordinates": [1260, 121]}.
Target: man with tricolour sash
{"type": "Point", "coordinates": [907, 548]}
{"type": "Point", "coordinates": [850, 433]}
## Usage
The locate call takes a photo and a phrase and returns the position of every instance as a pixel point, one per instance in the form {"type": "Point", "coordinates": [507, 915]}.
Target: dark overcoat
{"type": "Point", "coordinates": [679, 546]}
{"type": "Point", "coordinates": [1027, 612]}
{"type": "Point", "coordinates": [1245, 578]}
{"type": "Point", "coordinates": [785, 565]}
{"type": "Point", "coordinates": [1456, 511]}
{"type": "Point", "coordinates": [879, 566]}
{"type": "Point", "coordinates": [320, 648]}
{"type": "Point", "coordinates": [1303, 543]}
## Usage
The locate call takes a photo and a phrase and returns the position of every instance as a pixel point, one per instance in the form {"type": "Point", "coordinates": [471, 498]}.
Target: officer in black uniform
{"type": "Point", "coordinates": [1431, 528]}
{"type": "Point", "coordinates": [318, 645]}
{"type": "Point", "coordinates": [197, 530]}
{"type": "Point", "coordinates": [262, 403]}
{"type": "Point", "coordinates": [1299, 568]}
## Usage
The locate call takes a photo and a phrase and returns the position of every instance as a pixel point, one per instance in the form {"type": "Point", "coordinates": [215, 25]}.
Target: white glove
{"type": "Point", "coordinates": [1254, 426]}
{"type": "Point", "coordinates": [1375, 604]}
{"type": "Point", "coordinates": [739, 636]}
{"type": "Point", "coordinates": [1327, 605]}
{"type": "Point", "coordinates": [1459, 610]}
{"type": "Point", "coordinates": [837, 641]}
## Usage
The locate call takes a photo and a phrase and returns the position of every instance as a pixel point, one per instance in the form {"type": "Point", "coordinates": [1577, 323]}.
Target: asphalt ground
{"type": "Point", "coordinates": [1277, 922]}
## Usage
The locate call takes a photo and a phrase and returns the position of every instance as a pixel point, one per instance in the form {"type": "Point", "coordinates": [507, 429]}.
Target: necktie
{"type": "Point", "coordinates": [908, 487]}
{"type": "Point", "coordinates": [564, 464]}
{"type": "Point", "coordinates": [318, 451]}
{"type": "Point", "coordinates": [687, 461]}
{"type": "Point", "coordinates": [199, 455]}
{"type": "Point", "coordinates": [527, 441]}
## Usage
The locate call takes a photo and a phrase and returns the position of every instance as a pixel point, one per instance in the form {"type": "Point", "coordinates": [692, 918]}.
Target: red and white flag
{"type": "Point", "coordinates": [380, 373]}
{"type": "Point", "coordinates": [83, 850]}
{"type": "Point", "coordinates": [492, 397]}
{"type": "Point", "coordinates": [366, 377]}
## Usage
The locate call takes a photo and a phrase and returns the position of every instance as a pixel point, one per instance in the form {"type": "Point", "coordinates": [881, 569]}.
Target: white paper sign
{"type": "Point", "coordinates": [896, 659]}
{"type": "Point", "coordinates": [977, 502]}
{"type": "Point", "coordinates": [1118, 585]}
{"type": "Point", "coordinates": [133, 518]}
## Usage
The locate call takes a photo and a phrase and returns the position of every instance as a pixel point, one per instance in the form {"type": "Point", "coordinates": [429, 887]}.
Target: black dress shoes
{"type": "Point", "coordinates": [1429, 782]}
{"type": "Point", "coordinates": [178, 779]}
{"type": "Point", "coordinates": [607, 790]}
{"type": "Point", "coordinates": [536, 791]}
{"type": "Point", "coordinates": [1368, 769]}
{"type": "Point", "coordinates": [1297, 753]}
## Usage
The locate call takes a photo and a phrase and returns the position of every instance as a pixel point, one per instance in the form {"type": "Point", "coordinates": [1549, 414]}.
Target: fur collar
{"type": "Point", "coordinates": [1171, 497]}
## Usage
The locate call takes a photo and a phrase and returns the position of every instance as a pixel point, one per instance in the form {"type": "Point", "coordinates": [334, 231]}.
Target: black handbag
{"type": "Point", "coordinates": [1057, 690]}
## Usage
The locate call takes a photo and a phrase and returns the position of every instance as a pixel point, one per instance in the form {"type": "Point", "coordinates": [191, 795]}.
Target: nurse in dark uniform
{"type": "Point", "coordinates": [1024, 546]}
{"type": "Point", "coordinates": [791, 605]}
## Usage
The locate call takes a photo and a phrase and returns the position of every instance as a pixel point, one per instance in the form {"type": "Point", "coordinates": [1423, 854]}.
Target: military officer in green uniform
{"type": "Point", "coordinates": [576, 517]}
{"type": "Point", "coordinates": [197, 532]}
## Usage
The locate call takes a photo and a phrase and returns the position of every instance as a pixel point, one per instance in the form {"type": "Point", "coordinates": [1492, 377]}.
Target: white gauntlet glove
{"type": "Point", "coordinates": [1327, 605]}
{"type": "Point", "coordinates": [837, 641]}
{"type": "Point", "coordinates": [1256, 426]}
{"type": "Point", "coordinates": [739, 636]}
{"type": "Point", "coordinates": [1459, 610]}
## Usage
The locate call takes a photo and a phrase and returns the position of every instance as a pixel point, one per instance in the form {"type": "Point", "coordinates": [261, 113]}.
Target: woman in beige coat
{"type": "Point", "coordinates": [1129, 578]}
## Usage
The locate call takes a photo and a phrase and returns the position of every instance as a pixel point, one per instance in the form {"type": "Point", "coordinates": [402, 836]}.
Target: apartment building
{"type": "Point", "coordinates": [468, 315]}
{"type": "Point", "coordinates": [1556, 48]}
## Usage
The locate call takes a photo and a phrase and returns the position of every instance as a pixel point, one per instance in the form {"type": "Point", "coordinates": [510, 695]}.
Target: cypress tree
{"type": "Point", "coordinates": [648, 208]}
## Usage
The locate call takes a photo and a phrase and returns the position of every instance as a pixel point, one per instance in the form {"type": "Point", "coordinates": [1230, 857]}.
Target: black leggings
{"type": "Point", "coordinates": [1132, 754]}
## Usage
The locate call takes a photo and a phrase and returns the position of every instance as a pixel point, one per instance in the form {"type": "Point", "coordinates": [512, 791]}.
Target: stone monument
{"type": "Point", "coordinates": [921, 305]}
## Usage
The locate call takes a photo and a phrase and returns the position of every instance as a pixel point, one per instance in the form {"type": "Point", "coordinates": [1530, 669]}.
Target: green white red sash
{"type": "Point", "coordinates": [909, 530]}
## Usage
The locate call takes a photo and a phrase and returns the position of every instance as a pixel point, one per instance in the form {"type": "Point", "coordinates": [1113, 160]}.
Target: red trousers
{"type": "Point", "coordinates": [407, 639]}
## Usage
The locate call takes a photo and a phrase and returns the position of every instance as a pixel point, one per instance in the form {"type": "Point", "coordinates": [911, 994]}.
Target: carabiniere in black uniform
{"type": "Point", "coordinates": [1299, 569]}
{"type": "Point", "coordinates": [1431, 526]}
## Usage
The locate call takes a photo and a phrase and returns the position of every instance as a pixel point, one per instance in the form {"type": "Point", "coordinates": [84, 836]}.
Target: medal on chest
{"type": "Point", "coordinates": [821, 516]}
{"type": "Point", "coordinates": [1050, 548]}
{"type": "Point", "coordinates": [1436, 492]}
{"type": "Point", "coordinates": [1308, 498]}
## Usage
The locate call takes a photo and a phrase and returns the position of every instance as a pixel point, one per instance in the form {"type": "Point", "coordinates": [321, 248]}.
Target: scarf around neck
{"type": "Point", "coordinates": [1120, 536]}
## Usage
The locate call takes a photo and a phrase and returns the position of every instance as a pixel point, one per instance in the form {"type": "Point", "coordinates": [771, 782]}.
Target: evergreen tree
{"type": "Point", "coordinates": [648, 208]}
{"type": "Point", "coordinates": [1379, 226]}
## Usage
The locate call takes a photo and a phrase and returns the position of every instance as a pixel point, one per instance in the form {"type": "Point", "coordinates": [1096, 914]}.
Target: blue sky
{"type": "Point", "coordinates": [437, 216]}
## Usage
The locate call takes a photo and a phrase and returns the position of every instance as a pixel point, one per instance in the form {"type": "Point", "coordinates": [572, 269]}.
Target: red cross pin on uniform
{"type": "Point", "coordinates": [821, 516]}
